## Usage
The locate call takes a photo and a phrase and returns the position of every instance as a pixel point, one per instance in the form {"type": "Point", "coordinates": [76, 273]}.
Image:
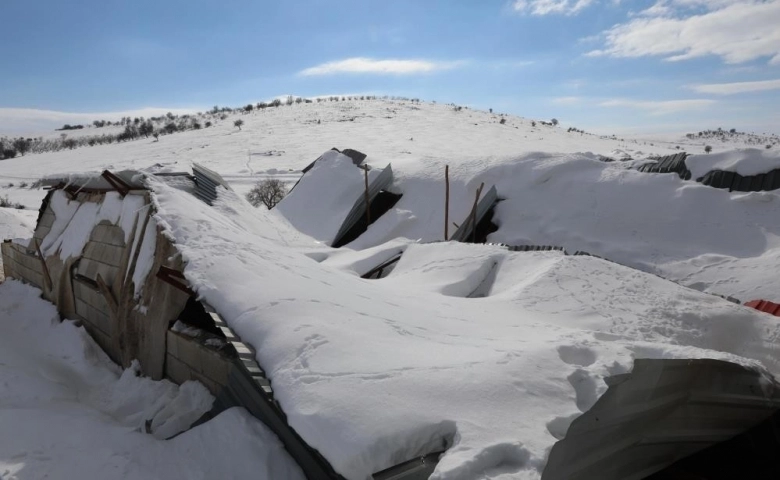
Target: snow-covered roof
{"type": "Point", "coordinates": [374, 372]}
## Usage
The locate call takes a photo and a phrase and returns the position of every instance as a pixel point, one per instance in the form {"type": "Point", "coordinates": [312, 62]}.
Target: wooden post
{"type": "Point", "coordinates": [446, 202]}
{"type": "Point", "coordinates": [368, 197]}
{"type": "Point", "coordinates": [474, 213]}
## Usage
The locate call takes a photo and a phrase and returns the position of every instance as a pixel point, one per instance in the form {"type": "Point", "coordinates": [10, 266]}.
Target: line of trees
{"type": "Point", "coordinates": [140, 127]}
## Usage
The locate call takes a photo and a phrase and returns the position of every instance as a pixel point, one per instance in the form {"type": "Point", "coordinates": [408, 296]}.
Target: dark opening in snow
{"type": "Point", "coordinates": [195, 315]}
{"type": "Point", "coordinates": [383, 202]}
{"type": "Point", "coordinates": [484, 228]}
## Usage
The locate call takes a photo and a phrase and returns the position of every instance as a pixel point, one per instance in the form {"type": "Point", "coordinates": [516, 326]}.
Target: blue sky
{"type": "Point", "coordinates": [603, 65]}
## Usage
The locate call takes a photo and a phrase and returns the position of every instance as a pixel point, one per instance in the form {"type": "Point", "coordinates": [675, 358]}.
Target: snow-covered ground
{"type": "Point", "coordinates": [488, 352]}
{"type": "Point", "coordinates": [68, 412]}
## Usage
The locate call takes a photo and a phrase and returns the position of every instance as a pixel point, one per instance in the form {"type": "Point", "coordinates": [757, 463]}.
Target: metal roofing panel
{"type": "Point", "coordinates": [206, 183]}
{"type": "Point", "coordinates": [661, 412]}
{"type": "Point", "coordinates": [467, 227]}
{"type": "Point", "coordinates": [381, 182]}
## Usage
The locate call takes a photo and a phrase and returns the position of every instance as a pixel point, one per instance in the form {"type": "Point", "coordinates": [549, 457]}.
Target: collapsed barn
{"type": "Point", "coordinates": [102, 255]}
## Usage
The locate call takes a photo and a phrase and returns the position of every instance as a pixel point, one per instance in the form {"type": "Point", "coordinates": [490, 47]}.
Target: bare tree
{"type": "Point", "coordinates": [269, 192]}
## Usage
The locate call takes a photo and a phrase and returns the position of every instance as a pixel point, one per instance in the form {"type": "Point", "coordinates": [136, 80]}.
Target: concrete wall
{"type": "Point", "coordinates": [20, 264]}
{"type": "Point", "coordinates": [190, 358]}
{"type": "Point", "coordinates": [126, 326]}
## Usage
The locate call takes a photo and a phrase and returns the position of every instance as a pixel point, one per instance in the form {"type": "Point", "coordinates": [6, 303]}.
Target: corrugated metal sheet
{"type": "Point", "coordinates": [380, 182]}
{"type": "Point", "coordinates": [765, 306]}
{"type": "Point", "coordinates": [733, 181]}
{"type": "Point", "coordinates": [661, 412]}
{"type": "Point", "coordinates": [206, 183]}
{"type": "Point", "coordinates": [669, 164]}
{"type": "Point", "coordinates": [483, 206]}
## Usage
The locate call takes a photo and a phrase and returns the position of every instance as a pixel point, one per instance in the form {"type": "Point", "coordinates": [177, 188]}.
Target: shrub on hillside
{"type": "Point", "coordinates": [268, 192]}
{"type": "Point", "coordinates": [22, 145]}
{"type": "Point", "coordinates": [6, 203]}
{"type": "Point", "coordinates": [238, 123]}
{"type": "Point", "coordinates": [707, 148]}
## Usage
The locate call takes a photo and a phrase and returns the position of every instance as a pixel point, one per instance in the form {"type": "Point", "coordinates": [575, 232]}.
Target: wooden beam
{"type": "Point", "coordinates": [474, 213]}
{"type": "Point", "coordinates": [116, 182]}
{"type": "Point", "coordinates": [131, 267]}
{"type": "Point", "coordinates": [108, 295]}
{"type": "Point", "coordinates": [174, 278]}
{"type": "Point", "coordinates": [446, 202]}
{"type": "Point", "coordinates": [368, 197]}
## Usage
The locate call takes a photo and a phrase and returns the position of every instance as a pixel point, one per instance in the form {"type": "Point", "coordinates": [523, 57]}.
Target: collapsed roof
{"type": "Point", "coordinates": [412, 363]}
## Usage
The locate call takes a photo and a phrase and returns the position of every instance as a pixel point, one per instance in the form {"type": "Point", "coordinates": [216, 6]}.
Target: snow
{"type": "Point", "coordinates": [318, 205]}
{"type": "Point", "coordinates": [750, 161]}
{"type": "Point", "coordinates": [408, 365]}
{"type": "Point", "coordinates": [485, 353]}
{"type": "Point", "coordinates": [68, 412]}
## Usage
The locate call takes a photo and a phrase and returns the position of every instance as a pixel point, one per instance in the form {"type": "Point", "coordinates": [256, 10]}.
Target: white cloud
{"type": "Point", "coordinates": [547, 7]}
{"type": "Point", "coordinates": [737, 31]}
{"type": "Point", "coordinates": [662, 107]}
{"type": "Point", "coordinates": [737, 87]}
{"type": "Point", "coordinates": [370, 65]}
{"type": "Point", "coordinates": [34, 121]}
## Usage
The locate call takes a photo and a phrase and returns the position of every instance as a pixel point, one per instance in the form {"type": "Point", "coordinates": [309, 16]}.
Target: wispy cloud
{"type": "Point", "coordinates": [659, 107]}
{"type": "Point", "coordinates": [549, 7]}
{"type": "Point", "coordinates": [736, 30]}
{"type": "Point", "coordinates": [737, 87]}
{"type": "Point", "coordinates": [35, 121]}
{"type": "Point", "coordinates": [375, 66]}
